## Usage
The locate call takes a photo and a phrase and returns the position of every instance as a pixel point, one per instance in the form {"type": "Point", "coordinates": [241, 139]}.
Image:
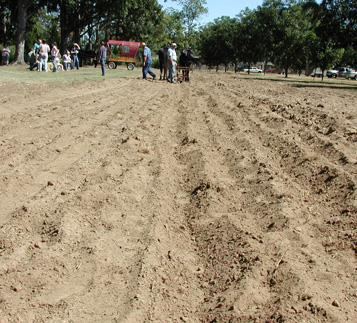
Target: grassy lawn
{"type": "Point", "coordinates": [22, 74]}
{"type": "Point", "coordinates": [297, 80]}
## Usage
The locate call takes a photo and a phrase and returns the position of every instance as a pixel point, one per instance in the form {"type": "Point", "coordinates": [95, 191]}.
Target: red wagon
{"type": "Point", "coordinates": [122, 51]}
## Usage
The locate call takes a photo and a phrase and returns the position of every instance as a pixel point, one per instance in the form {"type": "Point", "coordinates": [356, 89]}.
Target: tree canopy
{"type": "Point", "coordinates": [288, 33]}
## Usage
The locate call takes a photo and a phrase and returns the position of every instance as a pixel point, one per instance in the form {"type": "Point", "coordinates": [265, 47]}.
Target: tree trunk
{"type": "Point", "coordinates": [90, 33]}
{"type": "Point", "coordinates": [63, 24]}
{"type": "Point", "coordinates": [4, 31]}
{"type": "Point", "coordinates": [22, 17]}
{"type": "Point", "coordinates": [77, 33]}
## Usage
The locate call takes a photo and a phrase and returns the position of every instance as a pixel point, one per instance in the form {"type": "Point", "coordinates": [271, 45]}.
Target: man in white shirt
{"type": "Point", "coordinates": [171, 62]}
{"type": "Point", "coordinates": [43, 52]}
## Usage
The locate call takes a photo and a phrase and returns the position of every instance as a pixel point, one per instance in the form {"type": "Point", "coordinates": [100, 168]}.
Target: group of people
{"type": "Point", "coordinates": [171, 62]}
{"type": "Point", "coordinates": [38, 57]}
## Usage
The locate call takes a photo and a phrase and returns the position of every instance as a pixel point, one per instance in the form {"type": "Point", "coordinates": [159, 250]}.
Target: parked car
{"type": "Point", "coordinates": [253, 70]}
{"type": "Point", "coordinates": [240, 68]}
{"type": "Point", "coordinates": [275, 71]}
{"type": "Point", "coordinates": [332, 73]}
{"type": "Point", "coordinates": [343, 71]}
{"type": "Point", "coordinates": [351, 74]}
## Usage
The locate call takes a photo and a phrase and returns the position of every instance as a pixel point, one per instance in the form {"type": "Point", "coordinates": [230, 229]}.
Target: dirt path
{"type": "Point", "coordinates": [221, 200]}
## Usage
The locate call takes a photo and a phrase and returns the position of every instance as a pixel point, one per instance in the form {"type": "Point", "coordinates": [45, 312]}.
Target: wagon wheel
{"type": "Point", "coordinates": [112, 65]}
{"type": "Point", "coordinates": [130, 66]}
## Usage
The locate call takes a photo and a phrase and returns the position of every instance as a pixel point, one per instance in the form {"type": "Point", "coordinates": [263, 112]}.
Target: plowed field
{"type": "Point", "coordinates": [225, 199]}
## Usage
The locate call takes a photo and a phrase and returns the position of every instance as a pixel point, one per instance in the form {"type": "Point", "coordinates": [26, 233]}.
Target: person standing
{"type": "Point", "coordinates": [74, 55]}
{"type": "Point", "coordinates": [102, 56]}
{"type": "Point", "coordinates": [43, 52]}
{"type": "Point", "coordinates": [5, 53]}
{"type": "Point", "coordinates": [36, 48]}
{"type": "Point", "coordinates": [147, 61]}
{"type": "Point", "coordinates": [37, 45]}
{"type": "Point", "coordinates": [171, 62]}
{"type": "Point", "coordinates": [54, 54]}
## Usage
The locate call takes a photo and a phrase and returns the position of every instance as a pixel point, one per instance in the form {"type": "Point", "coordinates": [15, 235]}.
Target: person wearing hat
{"type": "Point", "coordinates": [171, 62]}
{"type": "Point", "coordinates": [74, 56]}
{"type": "Point", "coordinates": [147, 61]}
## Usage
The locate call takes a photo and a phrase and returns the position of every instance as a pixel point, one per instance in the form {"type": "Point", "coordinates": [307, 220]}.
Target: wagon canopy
{"type": "Point", "coordinates": [128, 48]}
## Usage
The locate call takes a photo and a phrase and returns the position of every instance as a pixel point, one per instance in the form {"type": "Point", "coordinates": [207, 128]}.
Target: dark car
{"type": "Point", "coordinates": [240, 68]}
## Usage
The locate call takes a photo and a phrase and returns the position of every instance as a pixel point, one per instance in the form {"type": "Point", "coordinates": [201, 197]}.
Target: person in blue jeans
{"type": "Point", "coordinates": [147, 61]}
{"type": "Point", "coordinates": [54, 54]}
{"type": "Point", "coordinates": [102, 56]}
{"type": "Point", "coordinates": [74, 54]}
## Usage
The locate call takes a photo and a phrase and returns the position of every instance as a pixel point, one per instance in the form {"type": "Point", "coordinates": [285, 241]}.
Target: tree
{"type": "Point", "coordinates": [216, 42]}
{"type": "Point", "coordinates": [192, 10]}
{"type": "Point", "coordinates": [325, 40]}
{"type": "Point", "coordinates": [292, 27]}
{"type": "Point", "coordinates": [251, 50]}
{"type": "Point", "coordinates": [7, 18]}
{"type": "Point", "coordinates": [173, 27]}
{"type": "Point", "coordinates": [25, 9]}
{"type": "Point", "coordinates": [190, 14]}
{"type": "Point", "coordinates": [267, 17]}
{"type": "Point", "coordinates": [349, 57]}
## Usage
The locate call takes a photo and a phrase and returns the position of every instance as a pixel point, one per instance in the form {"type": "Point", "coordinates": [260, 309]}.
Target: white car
{"type": "Point", "coordinates": [253, 70]}
{"type": "Point", "coordinates": [332, 73]}
{"type": "Point", "coordinates": [351, 74]}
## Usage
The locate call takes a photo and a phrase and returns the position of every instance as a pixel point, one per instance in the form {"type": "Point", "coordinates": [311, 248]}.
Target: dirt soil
{"type": "Point", "coordinates": [224, 199]}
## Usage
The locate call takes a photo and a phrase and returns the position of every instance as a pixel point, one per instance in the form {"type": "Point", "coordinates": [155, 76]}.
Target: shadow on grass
{"type": "Point", "coordinates": [330, 86]}
{"type": "Point", "coordinates": [308, 83]}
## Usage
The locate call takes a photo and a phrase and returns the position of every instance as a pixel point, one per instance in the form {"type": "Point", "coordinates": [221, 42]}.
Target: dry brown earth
{"type": "Point", "coordinates": [226, 199]}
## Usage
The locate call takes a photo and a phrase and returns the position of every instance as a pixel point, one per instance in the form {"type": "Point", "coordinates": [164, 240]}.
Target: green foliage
{"type": "Point", "coordinates": [349, 57]}
{"type": "Point", "coordinates": [216, 43]}
{"type": "Point", "coordinates": [287, 32]}
{"type": "Point", "coordinates": [291, 27]}
{"type": "Point", "coordinates": [42, 25]}
{"type": "Point", "coordinates": [155, 63]}
{"type": "Point", "coordinates": [182, 25]}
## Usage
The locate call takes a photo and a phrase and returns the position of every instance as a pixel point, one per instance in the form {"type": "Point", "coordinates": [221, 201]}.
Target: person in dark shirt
{"type": "Point", "coordinates": [102, 56]}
